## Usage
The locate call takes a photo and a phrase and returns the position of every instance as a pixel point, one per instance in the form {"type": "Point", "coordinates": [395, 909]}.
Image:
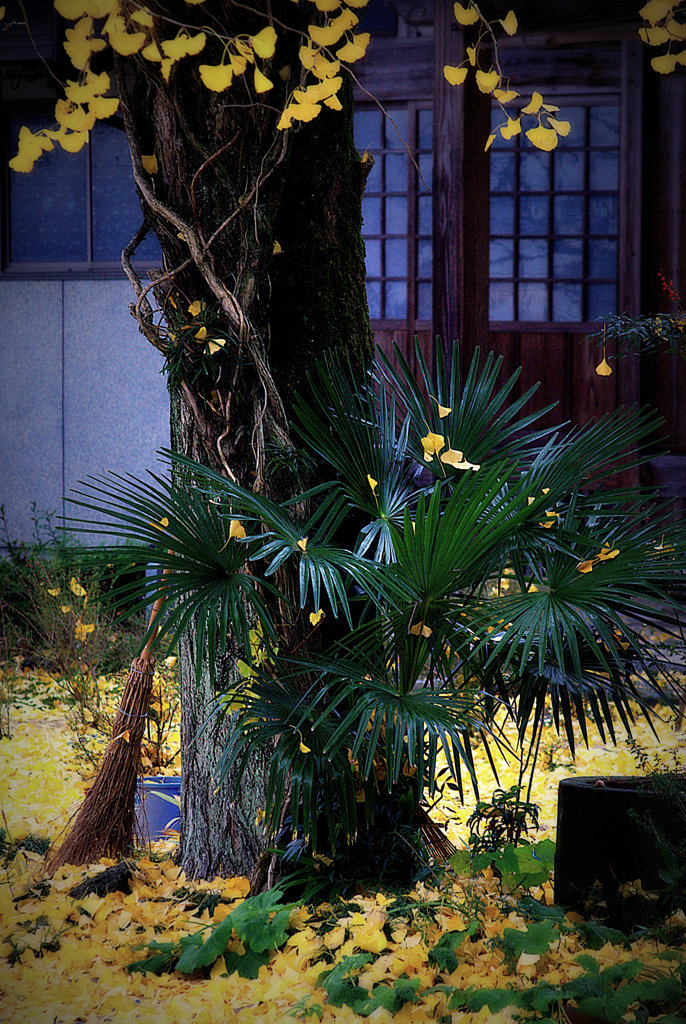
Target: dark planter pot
{"type": "Point", "coordinates": [600, 840]}
{"type": "Point", "coordinates": [157, 811]}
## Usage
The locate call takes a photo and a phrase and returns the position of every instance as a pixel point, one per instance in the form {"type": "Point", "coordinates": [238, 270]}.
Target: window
{"type": "Point", "coordinates": [74, 209]}
{"type": "Point", "coordinates": [396, 211]}
{"type": "Point", "coordinates": [554, 220]}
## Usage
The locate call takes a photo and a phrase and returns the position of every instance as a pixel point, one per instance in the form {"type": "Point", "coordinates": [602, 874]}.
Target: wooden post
{"type": "Point", "coordinates": [460, 173]}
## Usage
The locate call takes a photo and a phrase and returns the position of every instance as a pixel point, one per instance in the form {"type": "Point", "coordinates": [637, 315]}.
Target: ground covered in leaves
{"type": "Point", "coordinates": [451, 948]}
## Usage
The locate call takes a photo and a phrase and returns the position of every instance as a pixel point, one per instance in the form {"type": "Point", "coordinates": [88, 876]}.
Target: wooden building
{"type": "Point", "coordinates": [517, 250]}
{"type": "Point", "coordinates": [513, 249]}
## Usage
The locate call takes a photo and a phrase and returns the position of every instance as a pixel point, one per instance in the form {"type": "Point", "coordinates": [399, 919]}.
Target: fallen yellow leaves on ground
{"type": "Point", "coordinates": [65, 959]}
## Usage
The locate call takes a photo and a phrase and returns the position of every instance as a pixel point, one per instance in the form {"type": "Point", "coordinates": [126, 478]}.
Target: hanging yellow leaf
{"type": "Point", "coordinates": [542, 138]}
{"type": "Point", "coordinates": [304, 111]}
{"type": "Point", "coordinates": [238, 63]}
{"type": "Point", "coordinates": [487, 80]}
{"type": "Point", "coordinates": [103, 106]}
{"type": "Point", "coordinates": [489, 142]}
{"type": "Point", "coordinates": [354, 49]}
{"type": "Point", "coordinates": [509, 23]}
{"type": "Point", "coordinates": [443, 410]}
{"type": "Point", "coordinates": [302, 543]}
{"type": "Point", "coordinates": [561, 127]}
{"type": "Point", "coordinates": [236, 530]}
{"type": "Point", "coordinates": [432, 445]}
{"type": "Point", "coordinates": [184, 45]}
{"type": "Point", "coordinates": [264, 43]}
{"type": "Point", "coordinates": [304, 749]}
{"type": "Point", "coordinates": [676, 29]}
{"type": "Point", "coordinates": [73, 142]}
{"type": "Point", "coordinates": [216, 77]}
{"type": "Point", "coordinates": [664, 64]}
{"type": "Point", "coordinates": [151, 52]}
{"type": "Point", "coordinates": [326, 6]}
{"type": "Point", "coordinates": [654, 36]}
{"type": "Point", "coordinates": [534, 104]}
{"type": "Point", "coordinates": [471, 55]}
{"type": "Point", "coordinates": [505, 95]}
{"type": "Point", "coordinates": [454, 75]}
{"type": "Point", "coordinates": [76, 587]}
{"type": "Point", "coordinates": [512, 128]}
{"type": "Point", "coordinates": [603, 369]}
{"type": "Point", "coordinates": [329, 34]}
{"type": "Point", "coordinates": [465, 15]}
{"type": "Point", "coordinates": [325, 68]}
{"type": "Point", "coordinates": [655, 10]}
{"type": "Point", "coordinates": [149, 162]}
{"type": "Point", "coordinates": [316, 617]}
{"type": "Point", "coordinates": [261, 82]}
{"type": "Point", "coordinates": [373, 484]}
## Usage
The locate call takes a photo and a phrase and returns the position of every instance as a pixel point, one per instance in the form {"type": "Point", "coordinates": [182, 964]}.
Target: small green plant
{"type": "Point", "coordinates": [502, 821]}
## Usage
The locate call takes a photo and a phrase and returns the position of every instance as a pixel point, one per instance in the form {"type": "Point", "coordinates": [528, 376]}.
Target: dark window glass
{"type": "Point", "coordinates": [553, 252]}
{"type": "Point", "coordinates": [76, 208]}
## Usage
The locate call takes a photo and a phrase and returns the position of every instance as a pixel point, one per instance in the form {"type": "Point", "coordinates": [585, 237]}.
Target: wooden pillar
{"type": "Point", "coordinates": [460, 196]}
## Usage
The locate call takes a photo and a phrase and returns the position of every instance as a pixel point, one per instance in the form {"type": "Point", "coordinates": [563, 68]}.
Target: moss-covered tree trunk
{"type": "Point", "coordinates": [260, 232]}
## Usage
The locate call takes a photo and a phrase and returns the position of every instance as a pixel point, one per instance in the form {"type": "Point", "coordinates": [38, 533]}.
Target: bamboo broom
{"type": "Point", "coordinates": [104, 826]}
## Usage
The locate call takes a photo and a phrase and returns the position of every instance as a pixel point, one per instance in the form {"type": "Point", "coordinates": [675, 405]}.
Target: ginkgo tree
{"type": "Point", "coordinates": [238, 120]}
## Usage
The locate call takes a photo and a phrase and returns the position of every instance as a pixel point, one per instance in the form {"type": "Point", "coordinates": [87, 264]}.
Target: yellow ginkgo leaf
{"type": "Point", "coordinates": [586, 566]}
{"type": "Point", "coordinates": [171, 661]}
{"type": "Point", "coordinates": [373, 484]}
{"type": "Point", "coordinates": [304, 111]}
{"type": "Point", "coordinates": [534, 104]}
{"type": "Point", "coordinates": [655, 10]}
{"type": "Point", "coordinates": [471, 55]}
{"type": "Point", "coordinates": [149, 162]}
{"type": "Point", "coordinates": [261, 82]}
{"type": "Point", "coordinates": [452, 457]}
{"type": "Point", "coordinates": [196, 307]}
{"type": "Point", "coordinates": [304, 749]}
{"type": "Point", "coordinates": [354, 49]}
{"type": "Point", "coordinates": [236, 530]}
{"type": "Point", "coordinates": [465, 15]}
{"type": "Point", "coordinates": [215, 345]}
{"type": "Point", "coordinates": [561, 127]}
{"type": "Point", "coordinates": [489, 141]}
{"type": "Point", "coordinates": [326, 6]}
{"type": "Point", "coordinates": [277, 249]}
{"type": "Point", "coordinates": [432, 445]}
{"type": "Point", "coordinates": [76, 587]}
{"type": "Point", "coordinates": [664, 64]}
{"type": "Point", "coordinates": [505, 95]}
{"type": "Point", "coordinates": [603, 369]}
{"type": "Point", "coordinates": [238, 63]}
{"type": "Point", "coordinates": [487, 80]}
{"type": "Point", "coordinates": [103, 106]}
{"type": "Point", "coordinates": [54, 591]}
{"type": "Point", "coordinates": [542, 138]}
{"type": "Point", "coordinates": [454, 75]}
{"type": "Point", "coordinates": [654, 36]}
{"type": "Point", "coordinates": [509, 23]}
{"type": "Point", "coordinates": [676, 29]}
{"type": "Point", "coordinates": [316, 617]}
{"type": "Point", "coordinates": [151, 52]}
{"type": "Point", "coordinates": [184, 45]}
{"type": "Point", "coordinates": [65, 609]}
{"type": "Point", "coordinates": [216, 77]}
{"type": "Point", "coordinates": [419, 629]}
{"type": "Point", "coordinates": [73, 142]}
{"type": "Point", "coordinates": [201, 333]}
{"type": "Point", "coordinates": [606, 553]}
{"type": "Point", "coordinates": [512, 128]}
{"type": "Point", "coordinates": [302, 543]}
{"type": "Point", "coordinates": [443, 410]}
{"type": "Point", "coordinates": [125, 736]}
{"type": "Point", "coordinates": [264, 43]}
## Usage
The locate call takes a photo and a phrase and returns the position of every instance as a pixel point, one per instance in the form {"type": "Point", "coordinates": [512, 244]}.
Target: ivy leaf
{"type": "Point", "coordinates": [536, 939]}
{"type": "Point", "coordinates": [205, 955]}
{"type": "Point", "coordinates": [443, 953]}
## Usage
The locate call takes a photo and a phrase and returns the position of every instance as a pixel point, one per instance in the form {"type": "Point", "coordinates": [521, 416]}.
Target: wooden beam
{"type": "Point", "coordinates": [460, 170]}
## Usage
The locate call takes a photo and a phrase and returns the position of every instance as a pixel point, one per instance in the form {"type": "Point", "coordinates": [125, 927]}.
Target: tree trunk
{"type": "Point", "coordinates": [227, 188]}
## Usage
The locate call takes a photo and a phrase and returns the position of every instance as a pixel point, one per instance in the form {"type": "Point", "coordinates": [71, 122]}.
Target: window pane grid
{"type": "Point", "coordinates": [396, 211]}
{"type": "Point", "coordinates": [554, 222]}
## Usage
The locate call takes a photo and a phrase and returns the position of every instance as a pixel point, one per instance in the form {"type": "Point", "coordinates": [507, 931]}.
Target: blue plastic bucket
{"type": "Point", "coordinates": [157, 806]}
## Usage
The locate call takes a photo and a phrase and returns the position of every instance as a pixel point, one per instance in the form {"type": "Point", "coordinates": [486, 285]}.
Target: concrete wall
{"type": "Point", "coordinates": [80, 392]}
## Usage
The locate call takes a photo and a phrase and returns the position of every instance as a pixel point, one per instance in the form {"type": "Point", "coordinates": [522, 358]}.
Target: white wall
{"type": "Point", "coordinates": [80, 392]}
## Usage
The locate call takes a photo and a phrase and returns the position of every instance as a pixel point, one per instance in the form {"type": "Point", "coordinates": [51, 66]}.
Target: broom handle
{"type": "Point", "coordinates": [145, 653]}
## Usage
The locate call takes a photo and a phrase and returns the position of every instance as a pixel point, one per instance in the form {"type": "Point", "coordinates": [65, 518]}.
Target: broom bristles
{"type": "Point", "coordinates": [104, 826]}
